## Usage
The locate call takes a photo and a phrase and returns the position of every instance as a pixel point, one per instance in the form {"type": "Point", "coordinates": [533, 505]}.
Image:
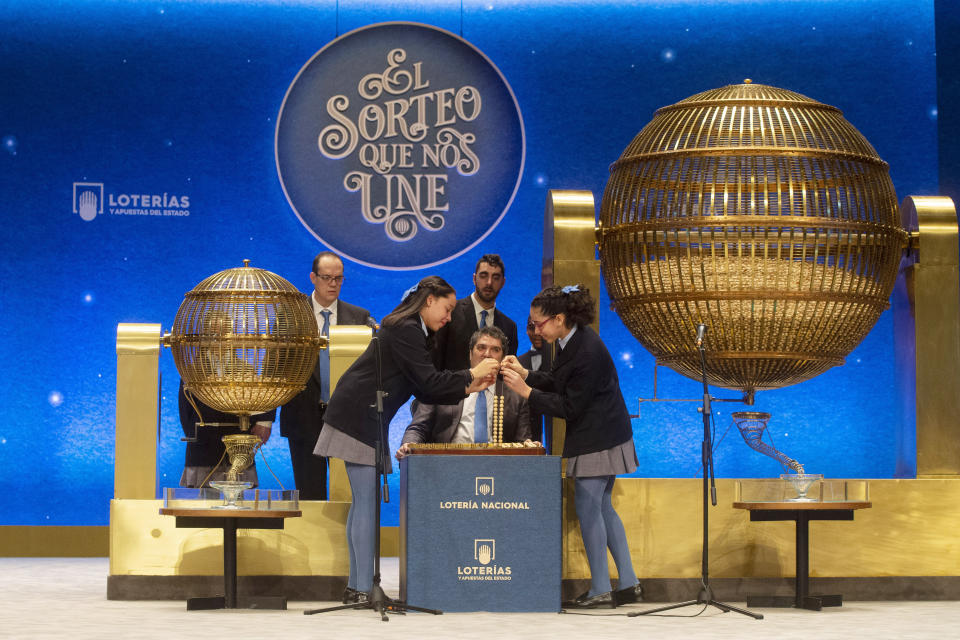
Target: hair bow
{"type": "Point", "coordinates": [410, 291]}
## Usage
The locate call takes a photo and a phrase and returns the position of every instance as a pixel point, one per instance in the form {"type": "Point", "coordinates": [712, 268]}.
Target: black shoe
{"type": "Point", "coordinates": [629, 595]}
{"type": "Point", "coordinates": [351, 595]}
{"type": "Point", "coordinates": [585, 601]}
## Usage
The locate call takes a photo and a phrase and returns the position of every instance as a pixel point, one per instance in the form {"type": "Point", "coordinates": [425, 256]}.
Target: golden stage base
{"type": "Point", "coordinates": [151, 559]}
{"type": "Point", "coordinates": [911, 530]}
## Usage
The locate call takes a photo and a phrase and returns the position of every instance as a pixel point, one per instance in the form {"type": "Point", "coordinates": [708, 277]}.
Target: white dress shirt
{"type": "Point", "coordinates": [535, 361]}
{"type": "Point", "coordinates": [562, 342]}
{"type": "Point", "coordinates": [465, 430]}
{"type": "Point", "coordinates": [317, 309]}
{"type": "Point", "coordinates": [477, 309]}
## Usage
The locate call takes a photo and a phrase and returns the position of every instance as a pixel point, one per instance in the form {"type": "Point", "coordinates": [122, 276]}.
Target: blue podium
{"type": "Point", "coordinates": [480, 532]}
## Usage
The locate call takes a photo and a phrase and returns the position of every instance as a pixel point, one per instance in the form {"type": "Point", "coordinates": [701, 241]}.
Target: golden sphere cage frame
{"type": "Point", "coordinates": [245, 341]}
{"type": "Point", "coordinates": [761, 213]}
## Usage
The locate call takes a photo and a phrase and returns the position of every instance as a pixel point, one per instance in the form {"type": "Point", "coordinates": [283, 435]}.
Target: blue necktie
{"type": "Point", "coordinates": [483, 317]}
{"type": "Point", "coordinates": [325, 359]}
{"type": "Point", "coordinates": [480, 418]}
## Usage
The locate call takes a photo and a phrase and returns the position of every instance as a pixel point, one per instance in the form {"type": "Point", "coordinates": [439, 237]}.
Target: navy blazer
{"type": "Point", "coordinates": [301, 418]}
{"type": "Point", "coordinates": [407, 370]}
{"type": "Point", "coordinates": [452, 344]}
{"type": "Point", "coordinates": [583, 388]}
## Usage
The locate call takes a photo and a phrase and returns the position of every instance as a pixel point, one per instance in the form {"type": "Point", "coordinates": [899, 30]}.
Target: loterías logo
{"type": "Point", "coordinates": [400, 145]}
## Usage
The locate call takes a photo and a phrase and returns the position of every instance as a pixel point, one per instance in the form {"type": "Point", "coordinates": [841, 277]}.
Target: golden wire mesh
{"type": "Point", "coordinates": [241, 449]}
{"type": "Point", "coordinates": [761, 213]}
{"type": "Point", "coordinates": [245, 340]}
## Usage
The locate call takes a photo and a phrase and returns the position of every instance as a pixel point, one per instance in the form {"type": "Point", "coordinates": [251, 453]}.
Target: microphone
{"type": "Point", "coordinates": [372, 324]}
{"type": "Point", "coordinates": [701, 332]}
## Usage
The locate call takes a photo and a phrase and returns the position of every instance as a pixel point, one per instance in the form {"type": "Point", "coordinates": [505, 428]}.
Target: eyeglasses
{"type": "Point", "coordinates": [539, 325]}
{"type": "Point", "coordinates": [329, 278]}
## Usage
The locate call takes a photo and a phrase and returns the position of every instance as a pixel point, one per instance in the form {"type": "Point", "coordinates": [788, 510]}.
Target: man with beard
{"type": "Point", "coordinates": [452, 342]}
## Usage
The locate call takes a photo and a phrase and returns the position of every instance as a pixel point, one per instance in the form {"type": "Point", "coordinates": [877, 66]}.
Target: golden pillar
{"type": "Point", "coordinates": [928, 336]}
{"type": "Point", "coordinates": [570, 256]}
{"type": "Point", "coordinates": [346, 344]}
{"type": "Point", "coordinates": [138, 391]}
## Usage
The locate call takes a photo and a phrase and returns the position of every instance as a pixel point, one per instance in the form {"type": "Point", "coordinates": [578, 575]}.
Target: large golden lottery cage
{"type": "Point", "coordinates": [768, 217]}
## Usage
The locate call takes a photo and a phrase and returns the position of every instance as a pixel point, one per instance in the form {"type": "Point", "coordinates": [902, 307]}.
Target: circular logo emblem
{"type": "Point", "coordinates": [400, 145]}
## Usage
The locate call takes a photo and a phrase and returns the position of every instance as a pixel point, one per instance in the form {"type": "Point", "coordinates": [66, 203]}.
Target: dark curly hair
{"type": "Point", "coordinates": [494, 261]}
{"type": "Point", "coordinates": [575, 302]}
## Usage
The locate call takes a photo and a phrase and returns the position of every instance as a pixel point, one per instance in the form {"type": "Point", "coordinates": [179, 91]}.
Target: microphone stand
{"type": "Point", "coordinates": [705, 597]}
{"type": "Point", "coordinates": [378, 600]}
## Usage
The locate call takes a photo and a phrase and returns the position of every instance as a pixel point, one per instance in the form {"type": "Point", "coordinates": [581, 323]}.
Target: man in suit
{"type": "Point", "coordinates": [539, 358]}
{"type": "Point", "coordinates": [204, 459]}
{"type": "Point", "coordinates": [479, 309]}
{"type": "Point", "coordinates": [302, 418]}
{"type": "Point", "coordinates": [459, 423]}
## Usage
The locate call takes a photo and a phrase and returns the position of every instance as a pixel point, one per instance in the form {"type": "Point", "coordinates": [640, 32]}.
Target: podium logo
{"type": "Point", "coordinates": [484, 550]}
{"type": "Point", "coordinates": [400, 146]}
{"type": "Point", "coordinates": [87, 199]}
{"type": "Point", "coordinates": [484, 487]}
{"type": "Point", "coordinates": [484, 566]}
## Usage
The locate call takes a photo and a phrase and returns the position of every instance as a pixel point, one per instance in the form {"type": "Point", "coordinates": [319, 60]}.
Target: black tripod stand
{"type": "Point", "coordinates": [377, 600]}
{"type": "Point", "coordinates": [705, 597]}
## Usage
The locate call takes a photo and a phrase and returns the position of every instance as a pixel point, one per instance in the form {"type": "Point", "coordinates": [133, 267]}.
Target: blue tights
{"type": "Point", "coordinates": [601, 527]}
{"type": "Point", "coordinates": [360, 523]}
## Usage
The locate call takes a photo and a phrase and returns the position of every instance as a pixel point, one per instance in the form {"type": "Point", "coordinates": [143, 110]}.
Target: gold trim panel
{"type": "Point", "coordinates": [138, 338]}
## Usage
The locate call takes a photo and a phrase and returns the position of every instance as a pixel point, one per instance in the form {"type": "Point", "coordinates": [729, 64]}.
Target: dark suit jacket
{"type": "Point", "coordinates": [438, 422]}
{"type": "Point", "coordinates": [583, 388]}
{"type": "Point", "coordinates": [452, 345]}
{"type": "Point", "coordinates": [536, 419]}
{"type": "Point", "coordinates": [208, 448]}
{"type": "Point", "coordinates": [301, 418]}
{"type": "Point", "coordinates": [407, 369]}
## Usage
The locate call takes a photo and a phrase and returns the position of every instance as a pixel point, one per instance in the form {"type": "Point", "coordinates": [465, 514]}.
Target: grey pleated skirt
{"type": "Point", "coordinates": [334, 443]}
{"type": "Point", "coordinates": [614, 461]}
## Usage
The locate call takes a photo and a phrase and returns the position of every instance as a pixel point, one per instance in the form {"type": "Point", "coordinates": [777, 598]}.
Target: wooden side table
{"type": "Point", "coordinates": [230, 520]}
{"type": "Point", "coordinates": [801, 513]}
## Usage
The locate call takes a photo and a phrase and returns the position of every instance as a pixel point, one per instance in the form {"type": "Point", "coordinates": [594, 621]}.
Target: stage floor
{"type": "Point", "coordinates": [66, 597]}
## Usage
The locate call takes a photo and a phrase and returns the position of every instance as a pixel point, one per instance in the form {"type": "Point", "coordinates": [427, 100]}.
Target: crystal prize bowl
{"type": "Point", "coordinates": [801, 483]}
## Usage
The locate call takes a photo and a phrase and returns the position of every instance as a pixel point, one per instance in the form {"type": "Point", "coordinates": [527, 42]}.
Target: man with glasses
{"type": "Point", "coordinates": [302, 418]}
{"type": "Point", "coordinates": [478, 310]}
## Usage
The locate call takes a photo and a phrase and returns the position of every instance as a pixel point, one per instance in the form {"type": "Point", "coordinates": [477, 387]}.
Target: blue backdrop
{"type": "Point", "coordinates": [181, 99]}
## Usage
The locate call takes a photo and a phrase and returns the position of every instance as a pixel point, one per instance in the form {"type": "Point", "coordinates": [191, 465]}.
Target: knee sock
{"type": "Point", "coordinates": [360, 523]}
{"type": "Point", "coordinates": [588, 495]}
{"type": "Point", "coordinates": [617, 540]}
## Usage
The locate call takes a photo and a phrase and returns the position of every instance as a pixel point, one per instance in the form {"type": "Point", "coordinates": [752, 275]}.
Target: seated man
{"type": "Point", "coordinates": [456, 423]}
